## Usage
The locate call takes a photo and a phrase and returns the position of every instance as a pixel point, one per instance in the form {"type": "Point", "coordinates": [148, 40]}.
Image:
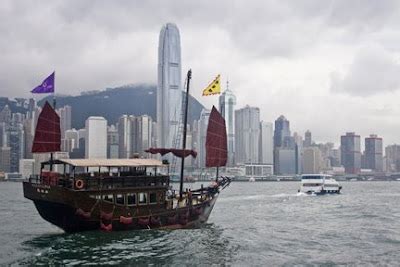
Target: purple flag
{"type": "Point", "coordinates": [47, 86]}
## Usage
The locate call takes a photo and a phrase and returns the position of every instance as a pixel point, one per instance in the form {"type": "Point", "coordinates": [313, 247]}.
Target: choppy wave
{"type": "Point", "coordinates": [269, 224]}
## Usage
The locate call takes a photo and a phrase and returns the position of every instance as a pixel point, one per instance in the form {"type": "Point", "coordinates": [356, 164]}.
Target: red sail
{"type": "Point", "coordinates": [48, 134]}
{"type": "Point", "coordinates": [216, 143]}
{"type": "Point", "coordinates": [177, 152]}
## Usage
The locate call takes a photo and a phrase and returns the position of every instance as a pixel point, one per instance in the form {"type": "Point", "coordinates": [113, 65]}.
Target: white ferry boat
{"type": "Point", "coordinates": [319, 184]}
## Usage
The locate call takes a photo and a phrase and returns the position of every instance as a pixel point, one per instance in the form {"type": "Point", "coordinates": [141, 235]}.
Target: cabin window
{"type": "Point", "coordinates": [131, 199]}
{"type": "Point", "coordinates": [119, 199]}
{"type": "Point", "coordinates": [153, 198]}
{"type": "Point", "coordinates": [142, 198]}
{"type": "Point", "coordinates": [108, 198]}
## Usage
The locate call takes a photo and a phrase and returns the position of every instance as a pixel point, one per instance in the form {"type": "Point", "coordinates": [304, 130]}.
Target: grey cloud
{"type": "Point", "coordinates": [373, 71]}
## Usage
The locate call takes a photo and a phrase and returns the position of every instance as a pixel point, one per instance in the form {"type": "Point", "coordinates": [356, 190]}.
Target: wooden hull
{"type": "Point", "coordinates": [75, 211]}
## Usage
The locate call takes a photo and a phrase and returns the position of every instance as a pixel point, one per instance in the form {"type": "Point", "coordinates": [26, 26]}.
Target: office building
{"type": "Point", "coordinates": [112, 142]}
{"type": "Point", "coordinates": [96, 138]}
{"type": "Point", "coordinates": [392, 154]}
{"type": "Point", "coordinates": [247, 135]}
{"type": "Point", "coordinates": [312, 160]}
{"type": "Point", "coordinates": [169, 91]}
{"type": "Point", "coordinates": [374, 153]}
{"type": "Point", "coordinates": [266, 143]}
{"type": "Point", "coordinates": [227, 103]}
{"type": "Point", "coordinates": [350, 153]}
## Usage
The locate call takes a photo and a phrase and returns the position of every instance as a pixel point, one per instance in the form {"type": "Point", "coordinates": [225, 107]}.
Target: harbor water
{"type": "Point", "coordinates": [252, 224]}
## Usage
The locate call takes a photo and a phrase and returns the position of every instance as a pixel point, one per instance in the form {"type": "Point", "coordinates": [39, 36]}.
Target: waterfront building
{"type": "Point", "coordinates": [285, 161]}
{"type": "Point", "coordinates": [15, 140]}
{"type": "Point", "coordinates": [298, 147]}
{"type": "Point", "coordinates": [350, 153]}
{"type": "Point", "coordinates": [312, 160]}
{"type": "Point", "coordinates": [266, 143]}
{"type": "Point", "coordinates": [5, 155]}
{"type": "Point", "coordinates": [285, 148]}
{"type": "Point", "coordinates": [247, 135]}
{"type": "Point", "coordinates": [227, 103]}
{"type": "Point", "coordinates": [374, 153]}
{"type": "Point", "coordinates": [392, 154]}
{"type": "Point", "coordinates": [96, 138]}
{"type": "Point", "coordinates": [169, 91]}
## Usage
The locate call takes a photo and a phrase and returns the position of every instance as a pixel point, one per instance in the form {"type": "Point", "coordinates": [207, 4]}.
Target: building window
{"type": "Point", "coordinates": [119, 199]}
{"type": "Point", "coordinates": [142, 198]}
{"type": "Point", "coordinates": [153, 198]}
{"type": "Point", "coordinates": [131, 199]}
{"type": "Point", "coordinates": [108, 198]}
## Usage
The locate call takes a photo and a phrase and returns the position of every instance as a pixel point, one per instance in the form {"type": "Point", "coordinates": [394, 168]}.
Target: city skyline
{"type": "Point", "coordinates": [319, 66]}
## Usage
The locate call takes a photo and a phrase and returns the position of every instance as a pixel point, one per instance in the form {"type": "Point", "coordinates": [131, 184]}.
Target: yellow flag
{"type": "Point", "coordinates": [213, 88]}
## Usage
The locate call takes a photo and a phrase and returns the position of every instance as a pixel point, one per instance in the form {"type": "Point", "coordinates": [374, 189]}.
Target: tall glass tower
{"type": "Point", "coordinates": [227, 102]}
{"type": "Point", "coordinates": [169, 90]}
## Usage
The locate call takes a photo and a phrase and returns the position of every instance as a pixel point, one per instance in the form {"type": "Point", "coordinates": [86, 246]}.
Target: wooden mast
{"type": "Point", "coordinates": [188, 77]}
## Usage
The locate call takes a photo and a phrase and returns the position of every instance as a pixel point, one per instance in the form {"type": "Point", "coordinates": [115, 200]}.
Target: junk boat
{"type": "Point", "coordinates": [122, 194]}
{"type": "Point", "coordinates": [319, 184]}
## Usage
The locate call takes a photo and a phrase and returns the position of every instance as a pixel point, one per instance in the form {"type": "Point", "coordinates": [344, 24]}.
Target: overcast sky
{"type": "Point", "coordinates": [328, 66]}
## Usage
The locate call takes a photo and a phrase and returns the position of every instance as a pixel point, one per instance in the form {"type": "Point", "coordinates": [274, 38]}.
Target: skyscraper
{"type": "Point", "coordinates": [202, 125]}
{"type": "Point", "coordinates": [247, 135]}
{"type": "Point", "coordinates": [169, 91]}
{"type": "Point", "coordinates": [112, 142]}
{"type": "Point", "coordinates": [96, 138]}
{"type": "Point", "coordinates": [65, 114]}
{"type": "Point", "coordinates": [282, 131]}
{"type": "Point", "coordinates": [374, 153]}
{"type": "Point", "coordinates": [350, 153]}
{"type": "Point", "coordinates": [15, 140]}
{"type": "Point", "coordinates": [312, 160]}
{"type": "Point", "coordinates": [307, 139]}
{"type": "Point", "coordinates": [144, 129]}
{"type": "Point", "coordinates": [227, 102]}
{"type": "Point", "coordinates": [126, 135]}
{"type": "Point", "coordinates": [392, 153]}
{"type": "Point", "coordinates": [286, 152]}
{"type": "Point", "coordinates": [266, 143]}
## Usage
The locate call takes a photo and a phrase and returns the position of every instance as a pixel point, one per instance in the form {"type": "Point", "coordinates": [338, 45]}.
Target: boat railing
{"type": "Point", "coordinates": [86, 182]}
